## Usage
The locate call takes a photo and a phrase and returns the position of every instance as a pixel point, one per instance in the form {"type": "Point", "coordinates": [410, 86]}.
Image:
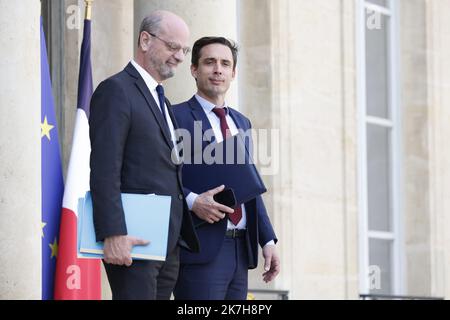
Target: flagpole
{"type": "Point", "coordinates": [78, 279]}
{"type": "Point", "coordinates": [88, 9]}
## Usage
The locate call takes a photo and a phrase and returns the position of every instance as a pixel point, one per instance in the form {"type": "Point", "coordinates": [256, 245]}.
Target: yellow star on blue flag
{"type": "Point", "coordinates": [52, 184]}
{"type": "Point", "coordinates": [54, 247]}
{"type": "Point", "coordinates": [46, 128]}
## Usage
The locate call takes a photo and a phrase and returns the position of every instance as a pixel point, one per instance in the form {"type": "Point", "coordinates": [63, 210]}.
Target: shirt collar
{"type": "Point", "coordinates": [208, 106]}
{"type": "Point", "coordinates": [148, 79]}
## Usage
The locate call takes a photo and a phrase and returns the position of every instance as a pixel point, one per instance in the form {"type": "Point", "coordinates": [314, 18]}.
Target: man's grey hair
{"type": "Point", "coordinates": [150, 24]}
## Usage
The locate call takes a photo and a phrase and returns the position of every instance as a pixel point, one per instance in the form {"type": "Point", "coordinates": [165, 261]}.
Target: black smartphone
{"type": "Point", "coordinates": [226, 197]}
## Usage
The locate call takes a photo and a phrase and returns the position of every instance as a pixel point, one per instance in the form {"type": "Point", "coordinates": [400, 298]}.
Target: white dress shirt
{"type": "Point", "coordinates": [152, 84]}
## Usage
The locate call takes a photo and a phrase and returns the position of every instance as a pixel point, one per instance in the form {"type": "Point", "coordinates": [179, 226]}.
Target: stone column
{"type": "Point", "coordinates": [204, 18]}
{"type": "Point", "coordinates": [112, 48]}
{"type": "Point", "coordinates": [426, 161]}
{"type": "Point", "coordinates": [258, 75]}
{"type": "Point", "coordinates": [20, 150]}
{"type": "Point", "coordinates": [415, 121]}
{"type": "Point", "coordinates": [299, 78]}
{"type": "Point", "coordinates": [438, 85]}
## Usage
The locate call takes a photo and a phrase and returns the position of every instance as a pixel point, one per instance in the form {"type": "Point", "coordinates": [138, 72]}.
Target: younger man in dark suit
{"type": "Point", "coordinates": [229, 247]}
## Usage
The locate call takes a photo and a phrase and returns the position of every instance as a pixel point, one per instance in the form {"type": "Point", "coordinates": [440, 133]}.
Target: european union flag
{"type": "Point", "coordinates": [52, 178]}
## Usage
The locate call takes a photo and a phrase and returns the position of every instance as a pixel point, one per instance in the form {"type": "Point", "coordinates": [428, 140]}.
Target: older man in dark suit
{"type": "Point", "coordinates": [132, 131]}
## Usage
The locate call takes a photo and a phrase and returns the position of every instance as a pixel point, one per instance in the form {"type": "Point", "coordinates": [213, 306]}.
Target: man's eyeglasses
{"type": "Point", "coordinates": [172, 46]}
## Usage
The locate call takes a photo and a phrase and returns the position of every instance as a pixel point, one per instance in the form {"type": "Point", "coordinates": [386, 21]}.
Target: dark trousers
{"type": "Point", "coordinates": [225, 278]}
{"type": "Point", "coordinates": [144, 279]}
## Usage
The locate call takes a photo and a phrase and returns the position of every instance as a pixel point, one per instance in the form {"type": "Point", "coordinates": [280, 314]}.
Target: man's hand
{"type": "Point", "coordinates": [117, 249]}
{"type": "Point", "coordinates": [209, 210]}
{"type": "Point", "coordinates": [271, 263]}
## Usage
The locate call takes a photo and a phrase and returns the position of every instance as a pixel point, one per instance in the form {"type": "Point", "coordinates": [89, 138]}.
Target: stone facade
{"type": "Point", "coordinates": [20, 160]}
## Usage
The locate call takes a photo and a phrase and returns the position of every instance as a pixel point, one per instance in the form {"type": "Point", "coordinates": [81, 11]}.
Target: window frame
{"type": "Point", "coordinates": [394, 123]}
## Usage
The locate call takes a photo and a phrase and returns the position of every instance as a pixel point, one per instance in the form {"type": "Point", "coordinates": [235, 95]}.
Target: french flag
{"type": "Point", "coordinates": [77, 279]}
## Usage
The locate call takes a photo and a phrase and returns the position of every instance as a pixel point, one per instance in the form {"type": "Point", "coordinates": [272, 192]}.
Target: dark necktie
{"type": "Point", "coordinates": [236, 216]}
{"type": "Point", "coordinates": [162, 100]}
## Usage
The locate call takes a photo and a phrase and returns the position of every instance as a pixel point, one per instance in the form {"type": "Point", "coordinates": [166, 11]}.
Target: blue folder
{"type": "Point", "coordinates": [226, 163]}
{"type": "Point", "coordinates": [147, 217]}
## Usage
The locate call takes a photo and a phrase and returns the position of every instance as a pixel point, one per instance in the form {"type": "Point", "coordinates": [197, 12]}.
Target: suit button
{"type": "Point", "coordinates": [180, 196]}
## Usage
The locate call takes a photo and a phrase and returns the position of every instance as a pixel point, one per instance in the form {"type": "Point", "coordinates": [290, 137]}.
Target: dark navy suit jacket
{"type": "Point", "coordinates": [211, 236]}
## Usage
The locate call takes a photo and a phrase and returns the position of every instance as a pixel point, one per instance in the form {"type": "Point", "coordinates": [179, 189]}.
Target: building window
{"type": "Point", "coordinates": [379, 148]}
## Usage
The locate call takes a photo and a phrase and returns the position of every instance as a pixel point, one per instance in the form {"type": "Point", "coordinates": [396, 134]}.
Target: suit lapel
{"type": "Point", "coordinates": [240, 124]}
{"type": "Point", "coordinates": [142, 87]}
{"type": "Point", "coordinates": [172, 116]}
{"type": "Point", "coordinates": [200, 117]}
{"type": "Point", "coordinates": [174, 120]}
